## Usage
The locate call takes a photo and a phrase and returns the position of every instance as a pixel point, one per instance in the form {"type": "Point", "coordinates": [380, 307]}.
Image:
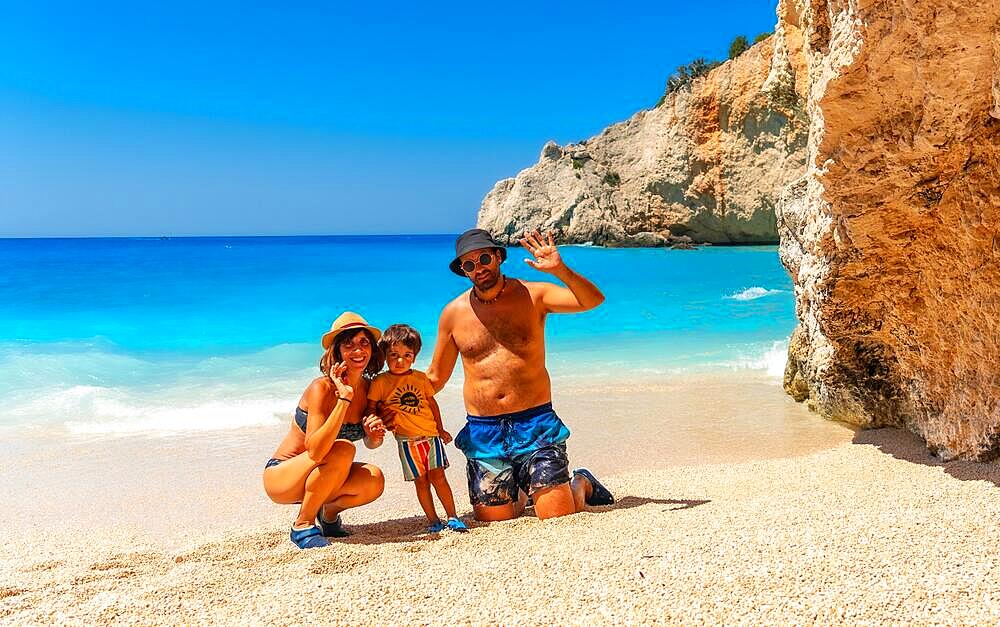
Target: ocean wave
{"type": "Point", "coordinates": [771, 359]}
{"type": "Point", "coordinates": [24, 368]}
{"type": "Point", "coordinates": [753, 293]}
{"type": "Point", "coordinates": [89, 388]}
{"type": "Point", "coordinates": [92, 410]}
{"type": "Point", "coordinates": [211, 416]}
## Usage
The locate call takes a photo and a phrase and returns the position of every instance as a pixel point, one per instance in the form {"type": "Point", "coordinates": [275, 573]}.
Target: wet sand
{"type": "Point", "coordinates": [778, 518]}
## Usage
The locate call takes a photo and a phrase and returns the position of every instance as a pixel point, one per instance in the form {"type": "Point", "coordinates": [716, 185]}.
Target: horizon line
{"type": "Point", "coordinates": [169, 237]}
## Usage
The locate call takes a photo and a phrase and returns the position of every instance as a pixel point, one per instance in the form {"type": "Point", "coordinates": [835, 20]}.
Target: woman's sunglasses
{"type": "Point", "coordinates": [469, 265]}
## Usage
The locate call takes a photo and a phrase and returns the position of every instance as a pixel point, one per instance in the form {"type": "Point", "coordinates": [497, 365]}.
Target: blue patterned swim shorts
{"type": "Point", "coordinates": [525, 450]}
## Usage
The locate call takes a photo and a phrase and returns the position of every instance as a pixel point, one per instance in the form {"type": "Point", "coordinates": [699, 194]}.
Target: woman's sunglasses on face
{"type": "Point", "coordinates": [469, 265]}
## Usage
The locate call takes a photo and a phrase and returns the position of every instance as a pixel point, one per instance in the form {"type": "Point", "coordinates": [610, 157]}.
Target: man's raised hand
{"type": "Point", "coordinates": [543, 249]}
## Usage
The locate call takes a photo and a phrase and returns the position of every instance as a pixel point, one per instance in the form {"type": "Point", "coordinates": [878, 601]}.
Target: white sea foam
{"type": "Point", "coordinates": [753, 293]}
{"type": "Point", "coordinates": [771, 359]}
{"type": "Point", "coordinates": [774, 359]}
{"type": "Point", "coordinates": [209, 416]}
{"type": "Point", "coordinates": [90, 388]}
{"type": "Point", "coordinates": [86, 409]}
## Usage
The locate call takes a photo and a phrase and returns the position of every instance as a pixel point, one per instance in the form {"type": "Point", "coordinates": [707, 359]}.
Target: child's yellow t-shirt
{"type": "Point", "coordinates": [409, 395]}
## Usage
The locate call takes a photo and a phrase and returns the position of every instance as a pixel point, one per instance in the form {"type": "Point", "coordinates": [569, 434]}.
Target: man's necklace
{"type": "Point", "coordinates": [494, 299]}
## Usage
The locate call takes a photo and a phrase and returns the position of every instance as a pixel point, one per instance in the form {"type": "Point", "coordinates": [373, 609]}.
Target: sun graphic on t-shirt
{"type": "Point", "coordinates": [407, 397]}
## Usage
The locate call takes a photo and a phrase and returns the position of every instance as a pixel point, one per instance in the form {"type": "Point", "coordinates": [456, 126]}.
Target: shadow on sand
{"type": "Point", "coordinates": [411, 528]}
{"type": "Point", "coordinates": [628, 502]}
{"type": "Point", "coordinates": [909, 447]}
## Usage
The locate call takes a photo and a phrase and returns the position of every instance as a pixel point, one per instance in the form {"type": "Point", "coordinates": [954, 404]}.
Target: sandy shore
{"type": "Point", "coordinates": [870, 530]}
{"type": "Point", "coordinates": [858, 533]}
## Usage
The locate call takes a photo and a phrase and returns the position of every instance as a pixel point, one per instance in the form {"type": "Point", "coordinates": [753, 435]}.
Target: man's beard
{"type": "Point", "coordinates": [488, 283]}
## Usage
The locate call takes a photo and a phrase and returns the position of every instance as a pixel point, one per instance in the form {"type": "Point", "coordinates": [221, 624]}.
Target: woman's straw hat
{"type": "Point", "coordinates": [348, 321]}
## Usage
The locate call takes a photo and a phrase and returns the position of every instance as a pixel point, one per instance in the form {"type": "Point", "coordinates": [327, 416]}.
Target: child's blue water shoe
{"type": "Point", "coordinates": [435, 527]}
{"type": "Point", "coordinates": [456, 524]}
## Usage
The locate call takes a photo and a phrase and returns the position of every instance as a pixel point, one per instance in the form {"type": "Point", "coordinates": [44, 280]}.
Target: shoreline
{"type": "Point", "coordinates": [168, 488]}
{"type": "Point", "coordinates": [154, 416]}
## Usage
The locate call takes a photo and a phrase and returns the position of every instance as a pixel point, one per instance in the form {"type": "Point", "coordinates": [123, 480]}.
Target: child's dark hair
{"type": "Point", "coordinates": [401, 333]}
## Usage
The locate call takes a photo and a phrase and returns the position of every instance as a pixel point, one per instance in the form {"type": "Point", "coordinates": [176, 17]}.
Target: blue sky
{"type": "Point", "coordinates": [245, 118]}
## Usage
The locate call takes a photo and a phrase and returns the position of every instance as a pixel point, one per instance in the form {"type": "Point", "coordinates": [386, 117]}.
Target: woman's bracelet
{"type": "Point", "coordinates": [344, 399]}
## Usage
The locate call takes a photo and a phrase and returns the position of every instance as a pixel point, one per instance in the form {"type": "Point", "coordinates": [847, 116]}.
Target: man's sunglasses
{"type": "Point", "coordinates": [469, 265]}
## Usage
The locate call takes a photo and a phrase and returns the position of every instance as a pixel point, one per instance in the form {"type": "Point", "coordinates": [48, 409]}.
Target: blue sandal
{"type": "Point", "coordinates": [308, 538]}
{"type": "Point", "coordinates": [599, 495]}
{"type": "Point", "coordinates": [456, 524]}
{"type": "Point", "coordinates": [331, 529]}
{"type": "Point", "coordinates": [436, 527]}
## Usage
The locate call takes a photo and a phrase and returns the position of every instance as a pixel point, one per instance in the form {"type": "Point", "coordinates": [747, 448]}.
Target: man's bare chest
{"type": "Point", "coordinates": [515, 332]}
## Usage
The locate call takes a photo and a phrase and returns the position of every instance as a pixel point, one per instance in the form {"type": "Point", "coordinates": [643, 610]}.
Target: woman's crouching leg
{"type": "Point", "coordinates": [326, 480]}
{"type": "Point", "coordinates": [364, 484]}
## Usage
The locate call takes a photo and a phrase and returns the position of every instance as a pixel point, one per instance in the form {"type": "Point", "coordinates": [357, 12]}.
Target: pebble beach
{"type": "Point", "coordinates": [868, 530]}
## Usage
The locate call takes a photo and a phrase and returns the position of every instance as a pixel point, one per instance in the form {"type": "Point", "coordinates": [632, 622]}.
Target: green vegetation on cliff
{"type": "Point", "coordinates": [738, 47]}
{"type": "Point", "coordinates": [684, 75]}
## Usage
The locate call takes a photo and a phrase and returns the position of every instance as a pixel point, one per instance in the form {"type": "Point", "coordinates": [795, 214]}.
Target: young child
{"type": "Point", "coordinates": [419, 433]}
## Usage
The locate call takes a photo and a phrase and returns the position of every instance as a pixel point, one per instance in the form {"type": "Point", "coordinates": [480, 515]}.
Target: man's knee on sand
{"type": "Point", "coordinates": [495, 513]}
{"type": "Point", "coordinates": [554, 501]}
{"type": "Point", "coordinates": [549, 502]}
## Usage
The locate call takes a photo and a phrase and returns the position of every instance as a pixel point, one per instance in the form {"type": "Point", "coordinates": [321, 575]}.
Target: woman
{"type": "Point", "coordinates": [314, 465]}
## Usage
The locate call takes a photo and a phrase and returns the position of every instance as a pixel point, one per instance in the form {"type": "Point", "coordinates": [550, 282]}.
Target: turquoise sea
{"type": "Point", "coordinates": [115, 336]}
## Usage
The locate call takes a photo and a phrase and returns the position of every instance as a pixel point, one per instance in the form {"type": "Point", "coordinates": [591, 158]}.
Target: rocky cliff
{"type": "Point", "coordinates": [709, 163]}
{"type": "Point", "coordinates": [892, 236]}
{"type": "Point", "coordinates": [872, 127]}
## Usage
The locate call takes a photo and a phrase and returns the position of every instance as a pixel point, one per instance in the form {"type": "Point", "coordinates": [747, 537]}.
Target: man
{"type": "Point", "coordinates": [515, 444]}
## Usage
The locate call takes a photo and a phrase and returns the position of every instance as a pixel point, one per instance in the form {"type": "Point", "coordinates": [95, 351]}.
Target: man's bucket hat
{"type": "Point", "coordinates": [474, 239]}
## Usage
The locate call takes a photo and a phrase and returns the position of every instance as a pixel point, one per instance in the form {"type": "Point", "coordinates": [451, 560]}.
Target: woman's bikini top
{"type": "Point", "coordinates": [352, 431]}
